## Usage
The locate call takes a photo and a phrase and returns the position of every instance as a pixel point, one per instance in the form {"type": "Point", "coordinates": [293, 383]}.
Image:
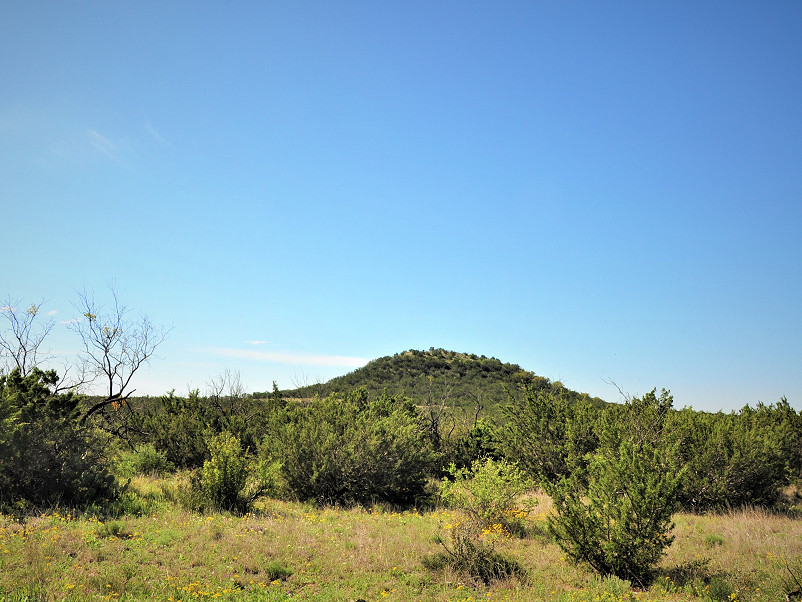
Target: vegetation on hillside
{"type": "Point", "coordinates": [429, 377]}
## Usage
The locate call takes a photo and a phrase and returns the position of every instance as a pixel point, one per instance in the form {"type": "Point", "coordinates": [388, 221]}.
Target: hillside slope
{"type": "Point", "coordinates": [430, 377]}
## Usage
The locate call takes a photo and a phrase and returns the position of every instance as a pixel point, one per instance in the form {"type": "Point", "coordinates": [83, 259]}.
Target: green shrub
{"type": "Point", "coordinates": [619, 522]}
{"type": "Point", "coordinates": [145, 459]}
{"type": "Point", "coordinates": [351, 450]}
{"type": "Point", "coordinates": [481, 441]}
{"type": "Point", "coordinates": [488, 492]}
{"type": "Point", "coordinates": [733, 459]}
{"type": "Point", "coordinates": [549, 434]}
{"type": "Point", "coordinates": [224, 475]}
{"type": "Point", "coordinates": [179, 428]}
{"type": "Point", "coordinates": [47, 456]}
{"type": "Point", "coordinates": [231, 479]}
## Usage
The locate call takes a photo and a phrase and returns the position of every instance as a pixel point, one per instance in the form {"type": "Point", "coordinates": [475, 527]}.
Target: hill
{"type": "Point", "coordinates": [436, 376]}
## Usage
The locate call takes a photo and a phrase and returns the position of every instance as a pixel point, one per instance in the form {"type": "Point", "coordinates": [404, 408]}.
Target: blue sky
{"type": "Point", "coordinates": [595, 191]}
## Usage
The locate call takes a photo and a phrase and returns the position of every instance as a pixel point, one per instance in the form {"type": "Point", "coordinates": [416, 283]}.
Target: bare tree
{"type": "Point", "coordinates": [115, 346]}
{"type": "Point", "coordinates": [22, 340]}
{"type": "Point", "coordinates": [227, 393]}
{"type": "Point", "coordinates": [301, 380]}
{"type": "Point", "coordinates": [438, 418]}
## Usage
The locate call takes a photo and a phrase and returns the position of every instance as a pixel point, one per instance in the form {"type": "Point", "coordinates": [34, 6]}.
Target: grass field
{"type": "Point", "coordinates": [288, 551]}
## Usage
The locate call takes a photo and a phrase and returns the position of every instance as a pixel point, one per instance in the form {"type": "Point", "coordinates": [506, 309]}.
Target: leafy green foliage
{"type": "Point", "coordinates": [548, 433]}
{"type": "Point", "coordinates": [231, 479]}
{"type": "Point", "coordinates": [619, 522]}
{"type": "Point", "coordinates": [223, 477]}
{"type": "Point", "coordinates": [181, 426]}
{"type": "Point", "coordinates": [481, 441]}
{"type": "Point", "coordinates": [46, 455]}
{"type": "Point", "coordinates": [177, 426]}
{"type": "Point", "coordinates": [488, 492]}
{"type": "Point", "coordinates": [145, 459]}
{"type": "Point", "coordinates": [351, 449]}
{"type": "Point", "coordinates": [734, 459]}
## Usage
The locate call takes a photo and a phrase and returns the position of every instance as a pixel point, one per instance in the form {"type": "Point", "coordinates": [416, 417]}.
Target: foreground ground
{"type": "Point", "coordinates": [288, 551]}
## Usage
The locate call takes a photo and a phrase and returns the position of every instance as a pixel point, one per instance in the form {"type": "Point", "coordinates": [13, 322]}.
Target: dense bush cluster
{"type": "Point", "coordinates": [727, 459]}
{"type": "Point", "coordinates": [47, 456]}
{"type": "Point", "coordinates": [618, 473]}
{"type": "Point", "coordinates": [351, 449]}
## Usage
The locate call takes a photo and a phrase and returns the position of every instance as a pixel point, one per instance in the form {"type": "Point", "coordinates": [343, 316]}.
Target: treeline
{"type": "Point", "coordinates": [363, 447]}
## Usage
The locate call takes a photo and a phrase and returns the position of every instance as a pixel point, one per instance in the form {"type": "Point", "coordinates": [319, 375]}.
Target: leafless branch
{"type": "Point", "coordinates": [301, 380]}
{"type": "Point", "coordinates": [625, 396]}
{"type": "Point", "coordinates": [22, 339]}
{"type": "Point", "coordinates": [115, 346]}
{"type": "Point", "coordinates": [227, 393]}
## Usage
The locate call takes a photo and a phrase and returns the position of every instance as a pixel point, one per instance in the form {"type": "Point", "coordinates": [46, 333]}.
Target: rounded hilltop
{"type": "Point", "coordinates": [465, 379]}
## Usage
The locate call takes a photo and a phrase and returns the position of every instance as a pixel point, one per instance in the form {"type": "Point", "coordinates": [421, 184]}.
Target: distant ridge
{"type": "Point", "coordinates": [427, 377]}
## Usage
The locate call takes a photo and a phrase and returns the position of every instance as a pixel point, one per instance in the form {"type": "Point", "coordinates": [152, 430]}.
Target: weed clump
{"type": "Point", "coordinates": [713, 540]}
{"type": "Point", "coordinates": [113, 530]}
{"type": "Point", "coordinates": [472, 553]}
{"type": "Point", "coordinates": [275, 571]}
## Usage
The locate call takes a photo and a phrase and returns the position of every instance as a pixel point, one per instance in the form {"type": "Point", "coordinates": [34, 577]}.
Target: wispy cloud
{"type": "Point", "coordinates": [256, 342]}
{"type": "Point", "coordinates": [73, 321]}
{"type": "Point", "coordinates": [290, 358]}
{"type": "Point", "coordinates": [197, 364]}
{"type": "Point", "coordinates": [52, 312]}
{"type": "Point", "coordinates": [106, 147]}
{"type": "Point", "coordinates": [103, 144]}
{"type": "Point", "coordinates": [155, 134]}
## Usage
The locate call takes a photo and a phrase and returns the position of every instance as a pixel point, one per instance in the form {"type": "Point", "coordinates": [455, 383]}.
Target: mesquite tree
{"type": "Point", "coordinates": [115, 346]}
